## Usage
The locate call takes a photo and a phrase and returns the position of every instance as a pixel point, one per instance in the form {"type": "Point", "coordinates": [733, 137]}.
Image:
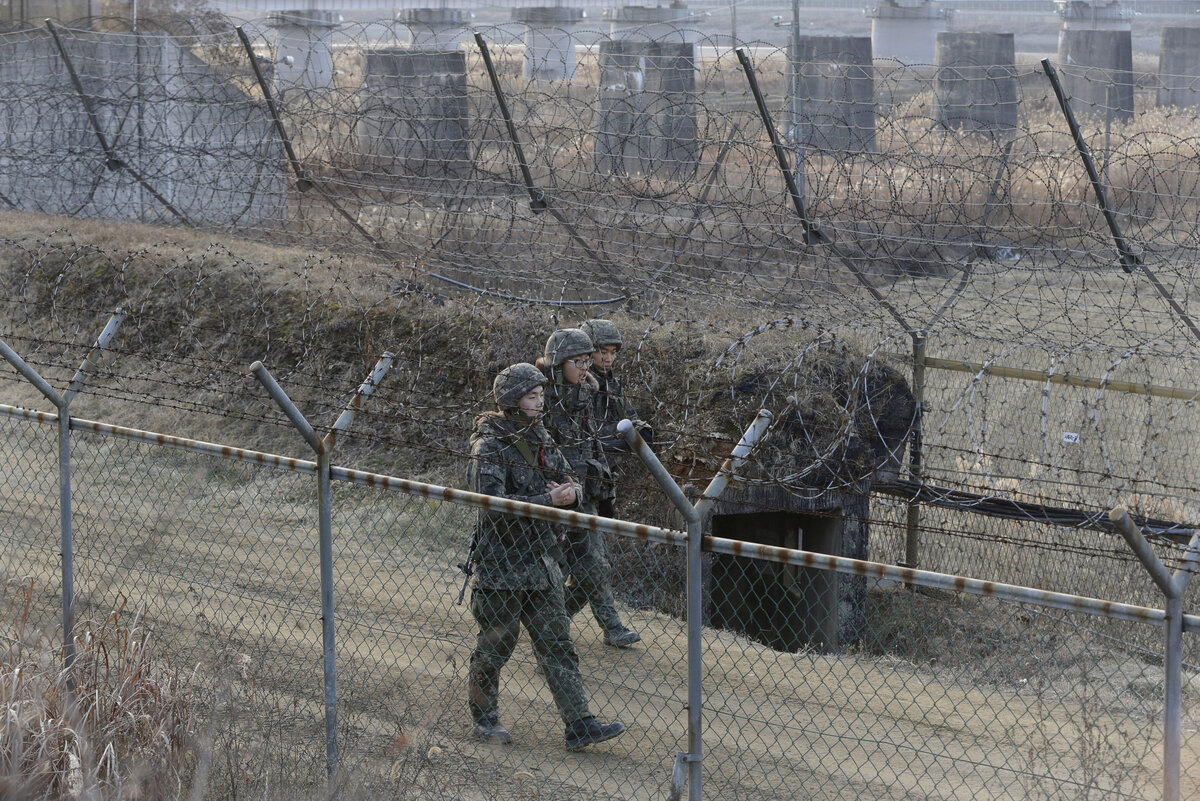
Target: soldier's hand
{"type": "Point", "coordinates": [562, 494]}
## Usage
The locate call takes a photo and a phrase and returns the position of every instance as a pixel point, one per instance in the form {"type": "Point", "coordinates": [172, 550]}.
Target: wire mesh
{"type": "Point", "coordinates": [1056, 386]}
{"type": "Point", "coordinates": [929, 692]}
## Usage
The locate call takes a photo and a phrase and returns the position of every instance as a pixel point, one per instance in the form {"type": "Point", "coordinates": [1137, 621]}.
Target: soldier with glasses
{"type": "Point", "coordinates": [571, 422]}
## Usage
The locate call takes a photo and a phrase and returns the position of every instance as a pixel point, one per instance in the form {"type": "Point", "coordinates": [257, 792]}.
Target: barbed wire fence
{"type": "Point", "coordinates": [1054, 385]}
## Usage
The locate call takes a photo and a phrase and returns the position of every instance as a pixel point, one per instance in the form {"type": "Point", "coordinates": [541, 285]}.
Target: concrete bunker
{"type": "Point", "coordinates": [808, 487]}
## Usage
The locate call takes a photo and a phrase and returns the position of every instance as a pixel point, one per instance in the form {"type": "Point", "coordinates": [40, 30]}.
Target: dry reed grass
{"type": "Point", "coordinates": [117, 724]}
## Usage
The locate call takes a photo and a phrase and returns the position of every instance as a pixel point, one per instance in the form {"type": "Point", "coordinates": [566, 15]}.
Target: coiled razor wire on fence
{"type": "Point", "coordinates": [1055, 386]}
{"type": "Point", "coordinates": [417, 169]}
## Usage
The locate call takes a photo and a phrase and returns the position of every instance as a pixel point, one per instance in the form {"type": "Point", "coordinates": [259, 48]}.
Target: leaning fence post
{"type": "Point", "coordinates": [912, 535]}
{"type": "Point", "coordinates": [812, 235]}
{"type": "Point", "coordinates": [323, 447]}
{"type": "Point", "coordinates": [1172, 586]}
{"type": "Point", "coordinates": [537, 197]}
{"type": "Point", "coordinates": [62, 403]}
{"type": "Point", "coordinates": [688, 765]}
{"type": "Point", "coordinates": [304, 178]}
{"type": "Point", "coordinates": [111, 161]}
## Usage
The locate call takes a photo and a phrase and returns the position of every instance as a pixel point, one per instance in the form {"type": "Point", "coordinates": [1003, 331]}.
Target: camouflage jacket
{"type": "Point", "coordinates": [514, 553]}
{"type": "Point", "coordinates": [610, 407]}
{"type": "Point", "coordinates": [570, 419]}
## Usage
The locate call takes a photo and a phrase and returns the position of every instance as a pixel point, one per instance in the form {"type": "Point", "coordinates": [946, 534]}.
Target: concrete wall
{"type": "Point", "coordinates": [976, 84]}
{"type": "Point", "coordinates": [200, 143]}
{"type": "Point", "coordinates": [647, 114]}
{"type": "Point", "coordinates": [1096, 67]}
{"type": "Point", "coordinates": [835, 87]}
{"type": "Point", "coordinates": [415, 116]}
{"type": "Point", "coordinates": [1179, 67]}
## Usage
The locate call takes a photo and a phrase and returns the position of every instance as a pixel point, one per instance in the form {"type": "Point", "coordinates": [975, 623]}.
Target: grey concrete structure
{"type": "Point", "coordinates": [1179, 67]}
{"type": "Point", "coordinates": [34, 13]}
{"type": "Point", "coordinates": [197, 140]}
{"type": "Point", "coordinates": [975, 88]}
{"type": "Point", "coordinates": [1096, 68]}
{"type": "Point", "coordinates": [304, 51]}
{"type": "Point", "coordinates": [1094, 15]}
{"type": "Point", "coordinates": [907, 30]}
{"type": "Point", "coordinates": [414, 115]}
{"type": "Point", "coordinates": [436, 29]}
{"type": "Point", "coordinates": [835, 93]}
{"type": "Point", "coordinates": [647, 110]}
{"type": "Point", "coordinates": [549, 44]}
{"type": "Point", "coordinates": [790, 608]}
{"type": "Point", "coordinates": [672, 23]}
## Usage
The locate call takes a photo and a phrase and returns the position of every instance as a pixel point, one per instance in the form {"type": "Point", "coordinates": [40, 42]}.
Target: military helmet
{"type": "Point", "coordinates": [602, 332]}
{"type": "Point", "coordinates": [567, 343]}
{"type": "Point", "coordinates": [514, 382]}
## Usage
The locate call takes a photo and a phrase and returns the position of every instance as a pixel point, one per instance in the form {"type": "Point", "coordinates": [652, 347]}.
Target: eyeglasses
{"type": "Point", "coordinates": [581, 364]}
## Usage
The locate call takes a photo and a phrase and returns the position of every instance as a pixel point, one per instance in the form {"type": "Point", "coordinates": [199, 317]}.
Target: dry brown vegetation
{"type": "Point", "coordinates": [119, 723]}
{"type": "Point", "coordinates": [201, 309]}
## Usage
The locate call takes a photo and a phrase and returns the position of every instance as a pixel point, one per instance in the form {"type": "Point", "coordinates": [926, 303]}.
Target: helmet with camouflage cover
{"type": "Point", "coordinates": [567, 343]}
{"type": "Point", "coordinates": [602, 332]}
{"type": "Point", "coordinates": [514, 382]}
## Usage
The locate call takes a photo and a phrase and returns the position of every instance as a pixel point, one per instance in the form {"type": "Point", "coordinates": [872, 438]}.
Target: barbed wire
{"type": "Point", "coordinates": [668, 215]}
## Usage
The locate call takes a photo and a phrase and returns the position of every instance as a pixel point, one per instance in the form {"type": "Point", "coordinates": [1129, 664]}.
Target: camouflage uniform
{"type": "Point", "coordinates": [518, 579]}
{"type": "Point", "coordinates": [610, 407]}
{"type": "Point", "coordinates": [569, 418]}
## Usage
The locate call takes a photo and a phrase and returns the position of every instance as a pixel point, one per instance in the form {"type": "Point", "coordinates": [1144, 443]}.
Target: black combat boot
{"type": "Point", "coordinates": [589, 731]}
{"type": "Point", "coordinates": [491, 730]}
{"type": "Point", "coordinates": [621, 637]}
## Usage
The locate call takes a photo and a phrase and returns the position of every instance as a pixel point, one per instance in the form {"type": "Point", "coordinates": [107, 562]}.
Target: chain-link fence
{"type": "Point", "coordinates": [963, 380]}
{"type": "Point", "coordinates": [815, 683]}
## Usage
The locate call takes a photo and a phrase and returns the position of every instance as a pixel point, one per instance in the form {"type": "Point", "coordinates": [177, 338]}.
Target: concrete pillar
{"type": "Point", "coordinates": [1093, 15]}
{"type": "Point", "coordinates": [1179, 67]}
{"type": "Point", "coordinates": [835, 92]}
{"type": "Point", "coordinates": [1096, 69]}
{"type": "Point", "coordinates": [647, 115]}
{"type": "Point", "coordinates": [303, 56]}
{"type": "Point", "coordinates": [975, 88]}
{"type": "Point", "coordinates": [435, 29]}
{"type": "Point", "coordinates": [414, 118]}
{"type": "Point", "coordinates": [549, 45]}
{"type": "Point", "coordinates": [673, 23]}
{"type": "Point", "coordinates": [907, 30]}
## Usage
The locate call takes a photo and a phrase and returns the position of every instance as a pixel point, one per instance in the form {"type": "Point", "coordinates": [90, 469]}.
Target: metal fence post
{"type": "Point", "coordinates": [323, 447]}
{"type": "Point", "coordinates": [912, 533]}
{"type": "Point", "coordinates": [694, 515]}
{"type": "Point", "coordinates": [62, 403]}
{"type": "Point", "coordinates": [1172, 586]}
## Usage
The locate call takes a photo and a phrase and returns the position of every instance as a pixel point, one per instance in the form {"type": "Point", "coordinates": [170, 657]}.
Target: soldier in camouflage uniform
{"type": "Point", "coordinates": [609, 405]}
{"type": "Point", "coordinates": [517, 578]}
{"type": "Point", "coordinates": [570, 421]}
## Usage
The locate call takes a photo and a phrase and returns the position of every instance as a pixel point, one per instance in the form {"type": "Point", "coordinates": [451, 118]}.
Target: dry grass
{"type": "Point", "coordinates": [118, 724]}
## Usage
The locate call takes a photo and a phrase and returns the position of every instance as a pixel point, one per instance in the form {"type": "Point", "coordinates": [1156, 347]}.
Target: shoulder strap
{"type": "Point", "coordinates": [525, 450]}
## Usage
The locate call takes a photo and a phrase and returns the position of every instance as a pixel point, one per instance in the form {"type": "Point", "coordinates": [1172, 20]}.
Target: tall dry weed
{"type": "Point", "coordinates": [116, 724]}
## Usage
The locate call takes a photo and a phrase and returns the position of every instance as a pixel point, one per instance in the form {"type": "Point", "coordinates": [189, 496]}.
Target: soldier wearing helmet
{"type": "Point", "coordinates": [571, 422]}
{"type": "Point", "coordinates": [518, 580]}
{"type": "Point", "coordinates": [610, 405]}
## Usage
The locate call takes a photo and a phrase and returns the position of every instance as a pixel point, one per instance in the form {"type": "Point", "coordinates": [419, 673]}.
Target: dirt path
{"type": "Point", "coordinates": [227, 570]}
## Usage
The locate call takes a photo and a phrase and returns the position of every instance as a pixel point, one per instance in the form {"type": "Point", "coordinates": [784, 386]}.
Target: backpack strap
{"type": "Point", "coordinates": [523, 447]}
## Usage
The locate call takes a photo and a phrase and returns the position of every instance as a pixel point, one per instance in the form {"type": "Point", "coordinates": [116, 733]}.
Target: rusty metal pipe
{"type": "Point", "coordinates": [729, 468]}
{"type": "Point", "coordinates": [93, 355]}
{"type": "Point", "coordinates": [359, 401]}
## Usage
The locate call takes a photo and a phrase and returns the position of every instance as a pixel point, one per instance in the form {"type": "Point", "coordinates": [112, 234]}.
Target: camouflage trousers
{"type": "Point", "coordinates": [500, 615]}
{"type": "Point", "coordinates": [588, 569]}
